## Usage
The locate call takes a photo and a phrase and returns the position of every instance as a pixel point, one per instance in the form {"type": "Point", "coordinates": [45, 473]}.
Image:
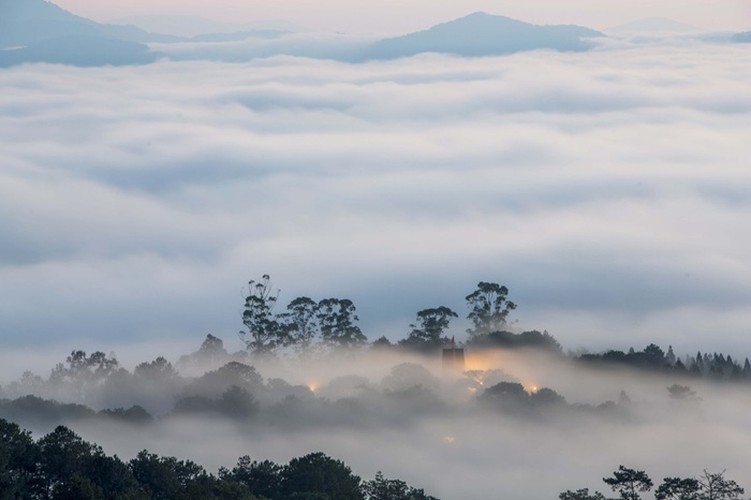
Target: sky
{"type": "Point", "coordinates": [392, 17]}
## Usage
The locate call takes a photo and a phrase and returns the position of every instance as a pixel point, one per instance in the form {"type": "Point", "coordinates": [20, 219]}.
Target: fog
{"type": "Point", "coordinates": [605, 189]}
{"type": "Point", "coordinates": [434, 427]}
{"type": "Point", "coordinates": [608, 190]}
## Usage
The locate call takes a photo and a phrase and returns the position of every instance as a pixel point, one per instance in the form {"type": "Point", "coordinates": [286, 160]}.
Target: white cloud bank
{"type": "Point", "coordinates": [609, 190]}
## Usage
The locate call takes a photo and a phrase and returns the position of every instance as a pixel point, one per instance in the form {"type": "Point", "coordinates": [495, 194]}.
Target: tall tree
{"type": "Point", "coordinates": [629, 482]}
{"type": "Point", "coordinates": [427, 331]}
{"type": "Point", "coordinates": [337, 320]}
{"type": "Point", "coordinates": [489, 308]}
{"type": "Point", "coordinates": [675, 488]}
{"type": "Point", "coordinates": [301, 322]}
{"type": "Point", "coordinates": [317, 475]}
{"type": "Point", "coordinates": [264, 333]}
{"type": "Point", "coordinates": [714, 486]}
{"type": "Point", "coordinates": [19, 462]}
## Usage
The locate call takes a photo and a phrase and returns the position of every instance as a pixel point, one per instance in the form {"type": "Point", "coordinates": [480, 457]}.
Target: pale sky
{"type": "Point", "coordinates": [390, 16]}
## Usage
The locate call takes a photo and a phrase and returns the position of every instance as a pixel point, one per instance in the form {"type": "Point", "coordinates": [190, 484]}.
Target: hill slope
{"type": "Point", "coordinates": [40, 31]}
{"type": "Point", "coordinates": [481, 34]}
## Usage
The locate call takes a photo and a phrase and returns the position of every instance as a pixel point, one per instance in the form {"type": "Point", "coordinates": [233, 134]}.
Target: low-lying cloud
{"type": "Point", "coordinates": [606, 189]}
{"type": "Point", "coordinates": [405, 415]}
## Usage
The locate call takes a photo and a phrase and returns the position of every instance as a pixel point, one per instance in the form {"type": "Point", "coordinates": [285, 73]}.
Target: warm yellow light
{"type": "Point", "coordinates": [483, 360]}
{"type": "Point", "coordinates": [312, 386]}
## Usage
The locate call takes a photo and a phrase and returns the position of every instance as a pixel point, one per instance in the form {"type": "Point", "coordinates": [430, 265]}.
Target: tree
{"type": "Point", "coordinates": [84, 372]}
{"type": "Point", "coordinates": [237, 402]}
{"type": "Point", "coordinates": [381, 488]}
{"type": "Point", "coordinates": [264, 331]}
{"type": "Point", "coordinates": [716, 487]}
{"type": "Point", "coordinates": [301, 322]}
{"type": "Point", "coordinates": [158, 370]}
{"type": "Point", "coordinates": [166, 478]}
{"type": "Point", "coordinates": [629, 482]}
{"type": "Point", "coordinates": [317, 475]}
{"type": "Point", "coordinates": [582, 494]}
{"type": "Point", "coordinates": [71, 468]}
{"type": "Point", "coordinates": [337, 319]}
{"type": "Point", "coordinates": [261, 478]}
{"type": "Point", "coordinates": [427, 331]}
{"type": "Point", "coordinates": [675, 488]}
{"type": "Point", "coordinates": [490, 308]}
{"type": "Point", "coordinates": [19, 458]}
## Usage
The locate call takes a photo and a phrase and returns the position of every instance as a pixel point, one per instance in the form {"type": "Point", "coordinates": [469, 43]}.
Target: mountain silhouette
{"type": "Point", "coordinates": [482, 34]}
{"type": "Point", "coordinates": [40, 31]}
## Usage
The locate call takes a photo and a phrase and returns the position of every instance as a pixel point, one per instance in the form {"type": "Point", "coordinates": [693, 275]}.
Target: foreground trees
{"type": "Point", "coordinates": [630, 483]}
{"type": "Point", "coordinates": [62, 466]}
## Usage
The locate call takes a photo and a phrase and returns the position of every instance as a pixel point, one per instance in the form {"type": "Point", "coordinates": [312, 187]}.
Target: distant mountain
{"type": "Point", "coordinates": [654, 25]}
{"type": "Point", "coordinates": [40, 31]}
{"type": "Point", "coordinates": [482, 34]}
{"type": "Point", "coordinates": [744, 37]}
{"type": "Point", "coordinates": [79, 50]}
{"type": "Point", "coordinates": [26, 22]}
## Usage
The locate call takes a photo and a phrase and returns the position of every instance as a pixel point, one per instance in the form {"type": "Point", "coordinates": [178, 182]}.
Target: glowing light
{"type": "Point", "coordinates": [472, 389]}
{"type": "Point", "coordinates": [483, 360]}
{"type": "Point", "coordinates": [531, 388]}
{"type": "Point", "coordinates": [312, 386]}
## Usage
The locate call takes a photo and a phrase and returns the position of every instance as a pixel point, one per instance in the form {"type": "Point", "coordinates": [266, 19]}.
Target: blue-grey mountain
{"type": "Point", "coordinates": [39, 31]}
{"type": "Point", "coordinates": [482, 34]}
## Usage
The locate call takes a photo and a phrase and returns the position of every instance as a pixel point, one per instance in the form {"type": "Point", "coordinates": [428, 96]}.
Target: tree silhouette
{"type": "Point", "coordinates": [337, 320]}
{"type": "Point", "coordinates": [301, 322]}
{"type": "Point", "coordinates": [582, 494]}
{"type": "Point", "coordinates": [490, 308]}
{"type": "Point", "coordinates": [317, 475]}
{"type": "Point", "coordinates": [675, 488]}
{"type": "Point", "coordinates": [427, 331]}
{"type": "Point", "coordinates": [629, 482]}
{"type": "Point", "coordinates": [264, 332]}
{"type": "Point", "coordinates": [714, 486]}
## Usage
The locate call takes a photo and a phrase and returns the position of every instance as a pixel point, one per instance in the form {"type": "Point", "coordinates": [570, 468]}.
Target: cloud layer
{"type": "Point", "coordinates": [608, 190]}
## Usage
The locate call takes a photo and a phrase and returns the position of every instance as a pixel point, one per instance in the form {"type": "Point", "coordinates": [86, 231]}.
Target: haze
{"type": "Point", "coordinates": [608, 192]}
{"type": "Point", "coordinates": [406, 416]}
{"type": "Point", "coordinates": [607, 186]}
{"type": "Point", "coordinates": [367, 16]}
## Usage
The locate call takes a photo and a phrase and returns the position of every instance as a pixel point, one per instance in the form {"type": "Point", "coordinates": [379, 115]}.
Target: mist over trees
{"type": "Point", "coordinates": [259, 390]}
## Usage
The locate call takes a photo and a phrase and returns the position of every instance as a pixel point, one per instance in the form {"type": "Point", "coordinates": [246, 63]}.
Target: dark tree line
{"type": "Point", "coordinates": [331, 321]}
{"type": "Point", "coordinates": [715, 366]}
{"type": "Point", "coordinates": [631, 483]}
{"type": "Point", "coordinates": [62, 466]}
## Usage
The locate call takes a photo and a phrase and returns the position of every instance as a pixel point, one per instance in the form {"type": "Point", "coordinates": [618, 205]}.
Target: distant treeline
{"type": "Point", "coordinates": [715, 366]}
{"type": "Point", "coordinates": [307, 324]}
{"type": "Point", "coordinates": [62, 466]}
{"type": "Point", "coordinates": [631, 483]}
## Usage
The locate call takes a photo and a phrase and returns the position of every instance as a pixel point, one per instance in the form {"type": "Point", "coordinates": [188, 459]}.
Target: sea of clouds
{"type": "Point", "coordinates": [609, 190]}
